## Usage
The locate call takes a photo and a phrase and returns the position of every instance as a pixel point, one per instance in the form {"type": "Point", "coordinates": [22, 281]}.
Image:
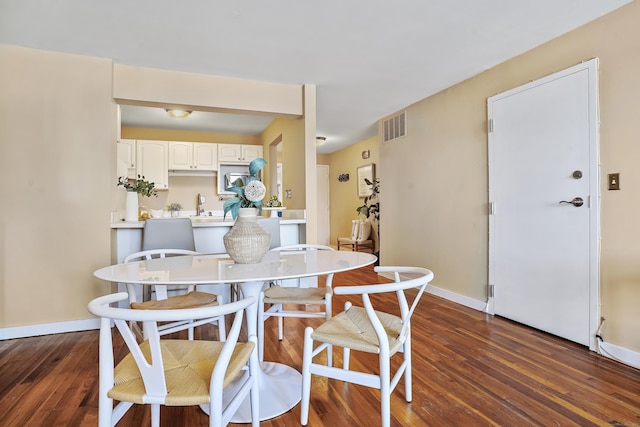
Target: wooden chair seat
{"type": "Point", "coordinates": [190, 300]}
{"type": "Point", "coordinates": [188, 366]}
{"type": "Point", "coordinates": [356, 245]}
{"type": "Point", "coordinates": [287, 295]}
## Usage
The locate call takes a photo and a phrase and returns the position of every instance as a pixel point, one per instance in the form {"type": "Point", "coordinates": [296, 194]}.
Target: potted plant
{"type": "Point", "coordinates": [135, 187]}
{"type": "Point", "coordinates": [175, 209]}
{"type": "Point", "coordinates": [140, 186]}
{"type": "Point", "coordinates": [274, 202]}
{"type": "Point", "coordinates": [247, 241]}
{"type": "Point", "coordinates": [371, 208]}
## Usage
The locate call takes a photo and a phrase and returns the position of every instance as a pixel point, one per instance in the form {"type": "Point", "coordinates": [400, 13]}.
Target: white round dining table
{"type": "Point", "coordinates": [280, 385]}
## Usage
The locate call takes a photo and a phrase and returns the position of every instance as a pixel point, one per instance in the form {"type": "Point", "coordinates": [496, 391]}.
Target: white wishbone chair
{"type": "Point", "coordinates": [278, 296]}
{"type": "Point", "coordinates": [366, 329]}
{"type": "Point", "coordinates": [191, 299]}
{"type": "Point", "coordinates": [175, 372]}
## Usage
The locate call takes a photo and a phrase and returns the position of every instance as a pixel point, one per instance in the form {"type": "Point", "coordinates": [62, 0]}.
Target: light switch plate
{"type": "Point", "coordinates": [614, 181]}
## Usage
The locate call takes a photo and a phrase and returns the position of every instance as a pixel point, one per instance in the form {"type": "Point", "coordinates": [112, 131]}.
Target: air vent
{"type": "Point", "coordinates": [394, 127]}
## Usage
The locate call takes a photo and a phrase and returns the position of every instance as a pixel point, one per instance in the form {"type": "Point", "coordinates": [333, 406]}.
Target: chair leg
{"type": "Point", "coordinates": [190, 332]}
{"type": "Point", "coordinates": [346, 353]}
{"type": "Point", "coordinates": [385, 391]}
{"type": "Point", "coordinates": [105, 411]}
{"type": "Point", "coordinates": [222, 328]}
{"type": "Point", "coordinates": [280, 323]}
{"type": "Point", "coordinates": [261, 320]}
{"type": "Point", "coordinates": [254, 395]}
{"type": "Point", "coordinates": [407, 372]}
{"type": "Point", "coordinates": [307, 355]}
{"type": "Point", "coordinates": [155, 415]}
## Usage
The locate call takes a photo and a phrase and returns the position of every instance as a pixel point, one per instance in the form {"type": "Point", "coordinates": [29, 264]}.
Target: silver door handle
{"type": "Point", "coordinates": [577, 202]}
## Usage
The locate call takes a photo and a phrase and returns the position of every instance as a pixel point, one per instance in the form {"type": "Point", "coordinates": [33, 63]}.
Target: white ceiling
{"type": "Point", "coordinates": [368, 58]}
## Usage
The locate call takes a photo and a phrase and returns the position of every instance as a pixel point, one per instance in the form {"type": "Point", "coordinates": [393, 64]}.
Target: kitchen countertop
{"type": "Point", "coordinates": [199, 222]}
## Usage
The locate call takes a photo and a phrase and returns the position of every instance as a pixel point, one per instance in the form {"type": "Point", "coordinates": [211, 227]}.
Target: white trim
{"type": "Point", "coordinates": [620, 354]}
{"type": "Point", "coordinates": [49, 328]}
{"type": "Point", "coordinates": [448, 295]}
{"type": "Point", "coordinates": [608, 350]}
{"type": "Point", "coordinates": [457, 298]}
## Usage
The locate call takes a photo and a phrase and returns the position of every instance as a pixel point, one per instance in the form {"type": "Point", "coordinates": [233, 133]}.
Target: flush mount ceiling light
{"type": "Point", "coordinates": [178, 114]}
{"type": "Point", "coordinates": [320, 140]}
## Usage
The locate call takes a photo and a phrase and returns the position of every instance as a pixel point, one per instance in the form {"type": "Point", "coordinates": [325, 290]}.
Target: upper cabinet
{"type": "Point", "coordinates": [152, 158]}
{"type": "Point", "coordinates": [193, 156]}
{"type": "Point", "coordinates": [238, 153]}
{"type": "Point", "coordinates": [126, 149]}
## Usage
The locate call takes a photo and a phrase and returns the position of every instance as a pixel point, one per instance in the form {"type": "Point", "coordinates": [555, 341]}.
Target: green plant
{"type": "Point", "coordinates": [249, 194]}
{"type": "Point", "coordinates": [274, 202]}
{"type": "Point", "coordinates": [140, 186]}
{"type": "Point", "coordinates": [174, 207]}
{"type": "Point", "coordinates": [371, 206]}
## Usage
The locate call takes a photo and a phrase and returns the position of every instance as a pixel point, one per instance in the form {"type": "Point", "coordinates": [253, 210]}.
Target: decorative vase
{"type": "Point", "coordinates": [247, 241]}
{"type": "Point", "coordinates": [175, 214]}
{"type": "Point", "coordinates": [131, 206]}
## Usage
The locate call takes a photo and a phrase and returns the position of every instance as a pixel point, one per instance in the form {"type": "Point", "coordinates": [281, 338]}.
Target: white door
{"type": "Point", "coordinates": [543, 243]}
{"type": "Point", "coordinates": [322, 183]}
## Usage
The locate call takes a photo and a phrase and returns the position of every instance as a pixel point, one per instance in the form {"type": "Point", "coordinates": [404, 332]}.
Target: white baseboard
{"type": "Point", "coordinates": [620, 354]}
{"type": "Point", "coordinates": [611, 351]}
{"type": "Point", "coordinates": [49, 328]}
{"type": "Point", "coordinates": [457, 298]}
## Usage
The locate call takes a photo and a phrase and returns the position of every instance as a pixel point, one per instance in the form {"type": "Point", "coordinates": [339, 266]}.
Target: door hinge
{"type": "Point", "coordinates": [490, 125]}
{"type": "Point", "coordinates": [492, 208]}
{"type": "Point", "coordinates": [492, 291]}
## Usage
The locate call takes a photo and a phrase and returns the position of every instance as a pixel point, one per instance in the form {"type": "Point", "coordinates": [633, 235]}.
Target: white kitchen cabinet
{"type": "Point", "coordinates": [205, 156]}
{"type": "Point", "coordinates": [193, 156]}
{"type": "Point", "coordinates": [152, 159]}
{"type": "Point", "coordinates": [238, 153]}
{"type": "Point", "coordinates": [251, 152]}
{"type": "Point", "coordinates": [126, 149]}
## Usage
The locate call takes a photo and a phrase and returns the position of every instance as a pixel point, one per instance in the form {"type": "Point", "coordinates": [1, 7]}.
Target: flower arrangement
{"type": "Point", "coordinates": [249, 194]}
{"type": "Point", "coordinates": [174, 207]}
{"type": "Point", "coordinates": [140, 186]}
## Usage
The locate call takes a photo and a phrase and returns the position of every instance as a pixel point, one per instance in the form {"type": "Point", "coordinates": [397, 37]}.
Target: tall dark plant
{"type": "Point", "coordinates": [371, 206]}
{"type": "Point", "coordinates": [371, 209]}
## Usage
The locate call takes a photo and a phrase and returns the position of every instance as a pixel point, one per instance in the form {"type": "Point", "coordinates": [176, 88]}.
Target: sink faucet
{"type": "Point", "coordinates": [200, 202]}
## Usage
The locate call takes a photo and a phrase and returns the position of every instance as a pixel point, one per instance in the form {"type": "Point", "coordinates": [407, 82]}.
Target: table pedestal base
{"type": "Point", "coordinates": [280, 390]}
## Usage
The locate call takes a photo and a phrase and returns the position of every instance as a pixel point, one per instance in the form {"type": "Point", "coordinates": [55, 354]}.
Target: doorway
{"type": "Point", "coordinates": [544, 201]}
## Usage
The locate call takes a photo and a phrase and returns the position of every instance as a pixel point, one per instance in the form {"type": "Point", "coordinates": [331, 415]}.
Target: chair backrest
{"type": "Point", "coordinates": [272, 225]}
{"type": "Point", "coordinates": [161, 291]}
{"type": "Point", "coordinates": [164, 233]}
{"type": "Point", "coordinates": [152, 370]}
{"type": "Point", "coordinates": [360, 230]}
{"type": "Point", "coordinates": [304, 247]}
{"type": "Point", "coordinates": [420, 278]}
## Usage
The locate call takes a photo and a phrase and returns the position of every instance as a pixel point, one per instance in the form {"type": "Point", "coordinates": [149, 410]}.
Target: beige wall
{"type": "Point", "coordinates": [434, 191]}
{"type": "Point", "coordinates": [291, 134]}
{"type": "Point", "coordinates": [344, 195]}
{"type": "Point", "coordinates": [58, 133]}
{"type": "Point", "coordinates": [57, 136]}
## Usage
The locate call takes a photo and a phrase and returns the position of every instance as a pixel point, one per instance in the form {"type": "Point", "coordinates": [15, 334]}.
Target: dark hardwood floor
{"type": "Point", "coordinates": [470, 369]}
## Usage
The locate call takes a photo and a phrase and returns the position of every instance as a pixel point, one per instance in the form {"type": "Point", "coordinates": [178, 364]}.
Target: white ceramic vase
{"type": "Point", "coordinates": [131, 206]}
{"type": "Point", "coordinates": [247, 241]}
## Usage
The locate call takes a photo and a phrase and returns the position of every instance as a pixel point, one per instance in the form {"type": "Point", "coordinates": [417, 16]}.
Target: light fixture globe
{"type": "Point", "coordinates": [178, 114]}
{"type": "Point", "coordinates": [320, 140]}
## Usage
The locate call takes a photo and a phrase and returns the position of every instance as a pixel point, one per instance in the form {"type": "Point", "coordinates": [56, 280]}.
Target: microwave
{"type": "Point", "coordinates": [231, 177]}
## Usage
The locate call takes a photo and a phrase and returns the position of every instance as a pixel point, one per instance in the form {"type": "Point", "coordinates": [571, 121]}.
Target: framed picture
{"type": "Point", "coordinates": [368, 172]}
